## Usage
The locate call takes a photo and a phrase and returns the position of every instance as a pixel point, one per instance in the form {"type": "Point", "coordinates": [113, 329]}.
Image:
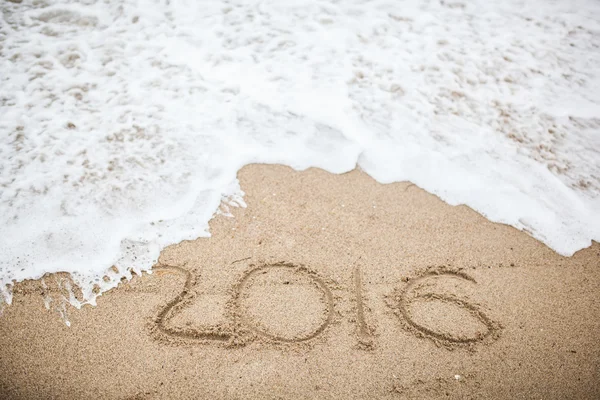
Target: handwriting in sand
{"type": "Point", "coordinates": [242, 329]}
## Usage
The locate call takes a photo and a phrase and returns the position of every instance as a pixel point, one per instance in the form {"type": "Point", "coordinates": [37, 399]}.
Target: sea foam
{"type": "Point", "coordinates": [123, 122]}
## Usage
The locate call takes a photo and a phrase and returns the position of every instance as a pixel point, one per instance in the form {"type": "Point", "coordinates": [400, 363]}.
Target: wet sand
{"type": "Point", "coordinates": [325, 286]}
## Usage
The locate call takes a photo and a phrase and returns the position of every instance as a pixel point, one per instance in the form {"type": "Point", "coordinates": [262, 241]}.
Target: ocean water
{"type": "Point", "coordinates": [123, 122]}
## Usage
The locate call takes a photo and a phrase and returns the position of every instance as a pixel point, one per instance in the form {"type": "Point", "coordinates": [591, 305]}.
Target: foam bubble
{"type": "Point", "coordinates": [123, 123]}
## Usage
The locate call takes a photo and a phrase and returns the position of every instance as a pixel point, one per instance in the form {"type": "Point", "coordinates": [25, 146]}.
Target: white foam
{"type": "Point", "coordinates": [123, 123]}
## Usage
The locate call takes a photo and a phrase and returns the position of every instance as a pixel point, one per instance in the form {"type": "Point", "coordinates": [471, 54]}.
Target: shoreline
{"type": "Point", "coordinates": [325, 286]}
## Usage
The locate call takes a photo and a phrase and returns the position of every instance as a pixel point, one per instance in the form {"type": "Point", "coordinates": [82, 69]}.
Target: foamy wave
{"type": "Point", "coordinates": [123, 123]}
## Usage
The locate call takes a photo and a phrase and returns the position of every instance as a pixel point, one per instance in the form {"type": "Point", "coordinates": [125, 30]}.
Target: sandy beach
{"type": "Point", "coordinates": [325, 287]}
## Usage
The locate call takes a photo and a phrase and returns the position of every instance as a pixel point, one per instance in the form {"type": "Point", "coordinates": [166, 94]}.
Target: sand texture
{"type": "Point", "coordinates": [324, 287]}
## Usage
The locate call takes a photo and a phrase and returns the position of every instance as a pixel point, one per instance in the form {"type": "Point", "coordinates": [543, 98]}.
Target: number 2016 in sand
{"type": "Point", "coordinates": [241, 329]}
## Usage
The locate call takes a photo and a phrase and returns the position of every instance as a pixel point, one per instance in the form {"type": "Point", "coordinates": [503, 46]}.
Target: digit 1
{"type": "Point", "coordinates": [365, 337]}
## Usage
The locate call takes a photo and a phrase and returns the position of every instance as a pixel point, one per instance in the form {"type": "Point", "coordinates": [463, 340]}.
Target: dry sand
{"type": "Point", "coordinates": [325, 286]}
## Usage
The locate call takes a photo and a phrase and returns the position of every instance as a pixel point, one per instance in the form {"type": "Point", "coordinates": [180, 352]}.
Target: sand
{"type": "Point", "coordinates": [325, 286]}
